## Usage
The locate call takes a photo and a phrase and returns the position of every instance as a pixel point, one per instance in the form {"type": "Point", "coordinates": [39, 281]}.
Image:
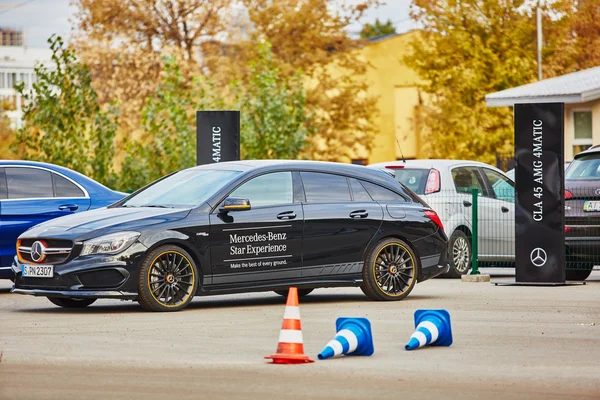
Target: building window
{"type": "Point", "coordinates": [582, 131]}
{"type": "Point", "coordinates": [359, 161]}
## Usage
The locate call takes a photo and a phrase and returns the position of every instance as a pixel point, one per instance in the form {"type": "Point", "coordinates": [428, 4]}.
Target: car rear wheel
{"type": "Point", "coordinates": [168, 279]}
{"type": "Point", "coordinates": [459, 252]}
{"type": "Point", "coordinates": [580, 274]}
{"type": "Point", "coordinates": [71, 302]}
{"type": "Point", "coordinates": [390, 270]}
{"type": "Point", "coordinates": [301, 292]}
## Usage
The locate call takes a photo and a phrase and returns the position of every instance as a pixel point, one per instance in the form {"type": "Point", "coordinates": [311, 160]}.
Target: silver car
{"type": "Point", "coordinates": [446, 185]}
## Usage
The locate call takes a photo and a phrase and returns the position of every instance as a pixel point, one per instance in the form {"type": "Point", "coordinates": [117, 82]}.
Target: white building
{"type": "Point", "coordinates": [17, 65]}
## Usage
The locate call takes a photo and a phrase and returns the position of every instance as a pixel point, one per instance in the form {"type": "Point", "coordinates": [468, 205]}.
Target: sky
{"type": "Point", "coordinates": [39, 19]}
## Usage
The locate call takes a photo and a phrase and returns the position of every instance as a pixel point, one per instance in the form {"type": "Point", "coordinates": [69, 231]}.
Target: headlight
{"type": "Point", "coordinates": [109, 244]}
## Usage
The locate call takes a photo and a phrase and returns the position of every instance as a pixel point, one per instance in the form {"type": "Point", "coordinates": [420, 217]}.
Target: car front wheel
{"type": "Point", "coordinates": [390, 270]}
{"type": "Point", "coordinates": [71, 302]}
{"type": "Point", "coordinates": [580, 274]}
{"type": "Point", "coordinates": [168, 279]}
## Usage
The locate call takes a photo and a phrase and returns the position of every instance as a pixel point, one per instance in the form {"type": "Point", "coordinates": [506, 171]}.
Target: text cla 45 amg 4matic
{"type": "Point", "coordinates": [238, 227]}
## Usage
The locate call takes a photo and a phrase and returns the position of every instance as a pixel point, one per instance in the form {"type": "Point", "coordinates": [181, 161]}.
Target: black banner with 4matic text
{"type": "Point", "coordinates": [540, 207]}
{"type": "Point", "coordinates": [217, 136]}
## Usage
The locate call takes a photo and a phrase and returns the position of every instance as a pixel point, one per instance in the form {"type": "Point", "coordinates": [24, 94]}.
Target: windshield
{"type": "Point", "coordinates": [584, 168]}
{"type": "Point", "coordinates": [185, 189]}
{"type": "Point", "coordinates": [414, 179]}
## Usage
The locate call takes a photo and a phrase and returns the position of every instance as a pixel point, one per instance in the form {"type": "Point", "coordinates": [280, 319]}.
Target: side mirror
{"type": "Point", "coordinates": [235, 204]}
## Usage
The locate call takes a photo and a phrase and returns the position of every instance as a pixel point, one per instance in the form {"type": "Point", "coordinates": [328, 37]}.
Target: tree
{"type": "Point", "coordinates": [377, 29]}
{"type": "Point", "coordinates": [467, 49]}
{"type": "Point", "coordinates": [574, 42]}
{"type": "Point", "coordinates": [273, 116]}
{"type": "Point", "coordinates": [168, 119]}
{"type": "Point", "coordinates": [308, 35]}
{"type": "Point", "coordinates": [62, 120]}
{"type": "Point", "coordinates": [7, 133]}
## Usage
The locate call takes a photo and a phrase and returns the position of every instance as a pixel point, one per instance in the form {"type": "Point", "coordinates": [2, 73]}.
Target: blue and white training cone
{"type": "Point", "coordinates": [432, 328]}
{"type": "Point", "coordinates": [353, 337]}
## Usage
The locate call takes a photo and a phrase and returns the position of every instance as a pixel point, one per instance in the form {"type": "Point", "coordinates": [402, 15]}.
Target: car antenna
{"type": "Point", "coordinates": [403, 159]}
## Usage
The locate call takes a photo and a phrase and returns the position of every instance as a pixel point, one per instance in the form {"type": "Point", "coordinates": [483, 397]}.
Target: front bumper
{"type": "Point", "coordinates": [97, 276]}
{"type": "Point", "coordinates": [82, 294]}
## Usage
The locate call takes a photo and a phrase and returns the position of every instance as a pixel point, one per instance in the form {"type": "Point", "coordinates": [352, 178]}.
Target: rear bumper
{"type": "Point", "coordinates": [583, 249]}
{"type": "Point", "coordinates": [434, 266]}
{"type": "Point", "coordinates": [93, 294]}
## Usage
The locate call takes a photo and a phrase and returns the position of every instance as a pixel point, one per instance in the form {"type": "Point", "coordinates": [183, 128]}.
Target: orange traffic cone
{"type": "Point", "coordinates": [290, 349]}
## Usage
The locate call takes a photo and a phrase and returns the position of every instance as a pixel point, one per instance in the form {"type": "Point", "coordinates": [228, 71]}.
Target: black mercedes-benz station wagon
{"type": "Point", "coordinates": [238, 227]}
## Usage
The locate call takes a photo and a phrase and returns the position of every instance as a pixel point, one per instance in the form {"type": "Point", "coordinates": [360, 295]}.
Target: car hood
{"type": "Point", "coordinates": [88, 224]}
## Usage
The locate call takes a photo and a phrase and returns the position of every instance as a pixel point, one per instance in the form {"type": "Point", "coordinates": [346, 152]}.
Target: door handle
{"type": "Point", "coordinates": [286, 215]}
{"type": "Point", "coordinates": [70, 207]}
{"type": "Point", "coordinates": [504, 209]}
{"type": "Point", "coordinates": [467, 203]}
{"type": "Point", "coordinates": [359, 214]}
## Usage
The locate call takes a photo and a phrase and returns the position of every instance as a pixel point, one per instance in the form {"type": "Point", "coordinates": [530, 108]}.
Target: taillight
{"type": "Point", "coordinates": [567, 229]}
{"type": "Point", "coordinates": [435, 218]}
{"type": "Point", "coordinates": [433, 182]}
{"type": "Point", "coordinates": [568, 195]}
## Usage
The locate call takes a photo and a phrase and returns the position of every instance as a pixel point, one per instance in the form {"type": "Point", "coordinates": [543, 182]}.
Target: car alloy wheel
{"type": "Point", "coordinates": [168, 279]}
{"type": "Point", "coordinates": [390, 272]}
{"type": "Point", "coordinates": [461, 254]}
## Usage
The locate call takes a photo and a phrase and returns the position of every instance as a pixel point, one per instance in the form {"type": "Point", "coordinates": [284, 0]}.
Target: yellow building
{"type": "Point", "coordinates": [395, 86]}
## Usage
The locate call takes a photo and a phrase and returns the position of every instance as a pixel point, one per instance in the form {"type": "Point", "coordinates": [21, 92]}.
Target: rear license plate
{"type": "Point", "coordinates": [38, 271]}
{"type": "Point", "coordinates": [591, 205]}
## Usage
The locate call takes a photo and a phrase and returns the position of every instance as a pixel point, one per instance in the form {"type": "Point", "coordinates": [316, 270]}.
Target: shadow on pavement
{"type": "Point", "coordinates": [213, 302]}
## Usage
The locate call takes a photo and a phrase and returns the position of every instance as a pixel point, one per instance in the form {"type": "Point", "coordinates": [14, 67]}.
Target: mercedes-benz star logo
{"type": "Point", "coordinates": [538, 257]}
{"type": "Point", "coordinates": [37, 251]}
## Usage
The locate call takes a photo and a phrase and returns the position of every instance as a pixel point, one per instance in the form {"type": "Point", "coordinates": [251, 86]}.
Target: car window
{"type": "Point", "coordinates": [185, 188]}
{"type": "Point", "coordinates": [584, 168]}
{"type": "Point", "coordinates": [28, 183]}
{"type": "Point", "coordinates": [502, 187]}
{"type": "Point", "coordinates": [380, 193]}
{"type": "Point", "coordinates": [358, 191]}
{"type": "Point", "coordinates": [65, 188]}
{"type": "Point", "coordinates": [322, 187]}
{"type": "Point", "coordinates": [413, 178]}
{"type": "Point", "coordinates": [267, 190]}
{"type": "Point", "coordinates": [466, 179]}
{"type": "Point", "coordinates": [3, 191]}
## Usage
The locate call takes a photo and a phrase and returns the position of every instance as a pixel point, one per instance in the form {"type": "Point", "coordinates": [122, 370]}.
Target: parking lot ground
{"type": "Point", "coordinates": [509, 342]}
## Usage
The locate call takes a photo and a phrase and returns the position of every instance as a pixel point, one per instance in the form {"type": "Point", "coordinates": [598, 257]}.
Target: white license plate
{"type": "Point", "coordinates": [38, 271]}
{"type": "Point", "coordinates": [591, 205]}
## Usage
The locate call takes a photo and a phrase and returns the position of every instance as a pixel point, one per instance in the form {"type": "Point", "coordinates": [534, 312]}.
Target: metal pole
{"type": "Point", "coordinates": [474, 223]}
{"type": "Point", "coordinates": [539, 41]}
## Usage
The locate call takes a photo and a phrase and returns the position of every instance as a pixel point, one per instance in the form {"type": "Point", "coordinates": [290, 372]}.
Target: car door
{"type": "Point", "coordinates": [500, 213]}
{"type": "Point", "coordinates": [34, 195]}
{"type": "Point", "coordinates": [338, 225]}
{"type": "Point", "coordinates": [263, 243]}
{"type": "Point", "coordinates": [467, 178]}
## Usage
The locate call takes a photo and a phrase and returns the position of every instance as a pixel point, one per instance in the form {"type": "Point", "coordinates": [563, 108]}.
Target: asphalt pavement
{"type": "Point", "coordinates": [509, 342]}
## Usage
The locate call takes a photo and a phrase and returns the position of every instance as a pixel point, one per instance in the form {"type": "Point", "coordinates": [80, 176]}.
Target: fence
{"type": "Point", "coordinates": [481, 228]}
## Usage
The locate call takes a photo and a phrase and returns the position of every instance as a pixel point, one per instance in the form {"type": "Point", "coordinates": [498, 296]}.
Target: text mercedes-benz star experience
{"type": "Point", "coordinates": [238, 227]}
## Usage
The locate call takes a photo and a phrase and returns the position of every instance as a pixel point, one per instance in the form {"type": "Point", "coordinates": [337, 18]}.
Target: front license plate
{"type": "Point", "coordinates": [591, 205]}
{"type": "Point", "coordinates": [38, 271]}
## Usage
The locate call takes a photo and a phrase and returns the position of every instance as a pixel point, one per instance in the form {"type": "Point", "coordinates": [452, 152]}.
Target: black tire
{"type": "Point", "coordinates": [390, 270]}
{"type": "Point", "coordinates": [301, 292]}
{"type": "Point", "coordinates": [580, 274]}
{"type": "Point", "coordinates": [71, 302]}
{"type": "Point", "coordinates": [168, 279]}
{"type": "Point", "coordinates": [459, 254]}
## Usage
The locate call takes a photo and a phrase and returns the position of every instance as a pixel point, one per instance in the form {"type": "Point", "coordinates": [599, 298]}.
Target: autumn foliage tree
{"type": "Point", "coordinates": [466, 50]}
{"type": "Point", "coordinates": [377, 29]}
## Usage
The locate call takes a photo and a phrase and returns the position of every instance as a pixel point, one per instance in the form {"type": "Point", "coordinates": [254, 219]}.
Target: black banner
{"type": "Point", "coordinates": [539, 178]}
{"type": "Point", "coordinates": [217, 136]}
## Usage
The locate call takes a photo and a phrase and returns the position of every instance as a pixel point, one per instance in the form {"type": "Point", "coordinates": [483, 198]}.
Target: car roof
{"type": "Point", "coordinates": [358, 171]}
{"type": "Point", "coordinates": [429, 163]}
{"type": "Point", "coordinates": [87, 182]}
{"type": "Point", "coordinates": [592, 150]}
